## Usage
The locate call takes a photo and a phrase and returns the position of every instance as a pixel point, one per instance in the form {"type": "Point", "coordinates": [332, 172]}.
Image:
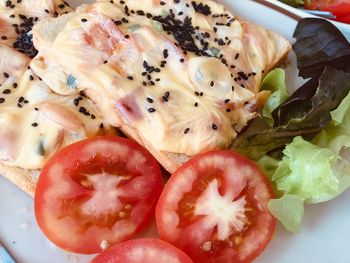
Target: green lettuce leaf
{"type": "Point", "coordinates": [274, 82]}
{"type": "Point", "coordinates": [304, 114]}
{"type": "Point", "coordinates": [289, 209]}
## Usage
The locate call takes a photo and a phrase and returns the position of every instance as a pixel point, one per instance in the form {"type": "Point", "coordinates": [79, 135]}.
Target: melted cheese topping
{"type": "Point", "coordinates": [184, 79]}
{"type": "Point", "coordinates": [18, 17]}
{"type": "Point", "coordinates": [34, 121]}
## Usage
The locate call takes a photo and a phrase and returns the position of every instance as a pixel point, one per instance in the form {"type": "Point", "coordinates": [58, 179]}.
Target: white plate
{"type": "Point", "coordinates": [324, 236]}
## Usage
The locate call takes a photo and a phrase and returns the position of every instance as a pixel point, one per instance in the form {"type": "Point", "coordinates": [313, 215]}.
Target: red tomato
{"type": "Point", "coordinates": [147, 250]}
{"type": "Point", "coordinates": [340, 8]}
{"type": "Point", "coordinates": [102, 189]}
{"type": "Point", "coordinates": [214, 208]}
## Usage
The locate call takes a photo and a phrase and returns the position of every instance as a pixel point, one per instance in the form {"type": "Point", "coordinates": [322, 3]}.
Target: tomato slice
{"type": "Point", "coordinates": [214, 208]}
{"type": "Point", "coordinates": [340, 8]}
{"type": "Point", "coordinates": [97, 191]}
{"type": "Point", "coordinates": [146, 250]}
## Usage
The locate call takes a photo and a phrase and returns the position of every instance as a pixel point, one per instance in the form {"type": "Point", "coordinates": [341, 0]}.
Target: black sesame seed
{"type": "Point", "coordinates": [150, 100]}
{"type": "Point", "coordinates": [196, 104]}
{"type": "Point", "coordinates": [47, 11]}
{"type": "Point", "coordinates": [83, 20]}
{"type": "Point", "coordinates": [93, 116]}
{"type": "Point", "coordinates": [187, 130]}
{"type": "Point", "coordinates": [21, 99]}
{"type": "Point", "coordinates": [6, 91]}
{"type": "Point", "coordinates": [127, 36]}
{"type": "Point", "coordinates": [3, 37]}
{"type": "Point", "coordinates": [214, 127]}
{"type": "Point", "coordinates": [36, 109]}
{"type": "Point", "coordinates": [151, 110]}
{"type": "Point", "coordinates": [34, 124]}
{"type": "Point", "coordinates": [31, 77]}
{"type": "Point", "coordinates": [2, 100]}
{"type": "Point", "coordinates": [6, 75]}
{"type": "Point", "coordinates": [165, 99]}
{"type": "Point", "coordinates": [14, 85]}
{"type": "Point", "coordinates": [227, 101]}
{"type": "Point", "coordinates": [182, 60]}
{"type": "Point", "coordinates": [140, 12]}
{"type": "Point", "coordinates": [228, 110]}
{"type": "Point", "coordinates": [237, 56]}
{"type": "Point", "coordinates": [201, 94]}
{"type": "Point", "coordinates": [157, 79]}
{"type": "Point", "coordinates": [130, 78]}
{"type": "Point", "coordinates": [196, 93]}
{"type": "Point", "coordinates": [26, 101]}
{"type": "Point", "coordinates": [180, 13]}
{"type": "Point", "coordinates": [162, 3]}
{"type": "Point", "coordinates": [212, 83]}
{"type": "Point", "coordinates": [144, 83]}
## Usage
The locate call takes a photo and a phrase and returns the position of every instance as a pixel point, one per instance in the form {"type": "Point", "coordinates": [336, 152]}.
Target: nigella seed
{"type": "Point", "coordinates": [151, 110]}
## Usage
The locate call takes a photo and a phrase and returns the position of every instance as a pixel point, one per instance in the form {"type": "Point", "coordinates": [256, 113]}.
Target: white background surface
{"type": "Point", "coordinates": [324, 237]}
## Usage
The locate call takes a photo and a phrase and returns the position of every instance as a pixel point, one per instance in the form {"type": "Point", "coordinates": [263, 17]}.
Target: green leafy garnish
{"type": "Point", "coordinates": [303, 150]}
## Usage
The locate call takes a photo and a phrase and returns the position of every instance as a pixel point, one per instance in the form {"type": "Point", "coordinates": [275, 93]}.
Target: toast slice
{"type": "Point", "coordinates": [114, 107]}
{"type": "Point", "coordinates": [173, 154]}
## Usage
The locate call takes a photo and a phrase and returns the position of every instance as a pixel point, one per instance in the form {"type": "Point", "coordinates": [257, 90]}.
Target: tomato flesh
{"type": "Point", "coordinates": [146, 250]}
{"type": "Point", "coordinates": [215, 209]}
{"type": "Point", "coordinates": [98, 190]}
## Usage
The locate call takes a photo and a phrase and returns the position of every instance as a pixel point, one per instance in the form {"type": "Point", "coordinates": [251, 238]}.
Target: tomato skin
{"type": "Point", "coordinates": [162, 252]}
{"type": "Point", "coordinates": [191, 237]}
{"type": "Point", "coordinates": [340, 8]}
{"type": "Point", "coordinates": [79, 217]}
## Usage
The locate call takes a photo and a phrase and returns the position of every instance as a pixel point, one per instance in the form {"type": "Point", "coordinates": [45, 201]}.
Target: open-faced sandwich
{"type": "Point", "coordinates": [181, 78]}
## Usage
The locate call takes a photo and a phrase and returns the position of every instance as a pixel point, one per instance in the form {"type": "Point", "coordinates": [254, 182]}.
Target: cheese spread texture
{"type": "Point", "coordinates": [34, 121]}
{"type": "Point", "coordinates": [184, 74]}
